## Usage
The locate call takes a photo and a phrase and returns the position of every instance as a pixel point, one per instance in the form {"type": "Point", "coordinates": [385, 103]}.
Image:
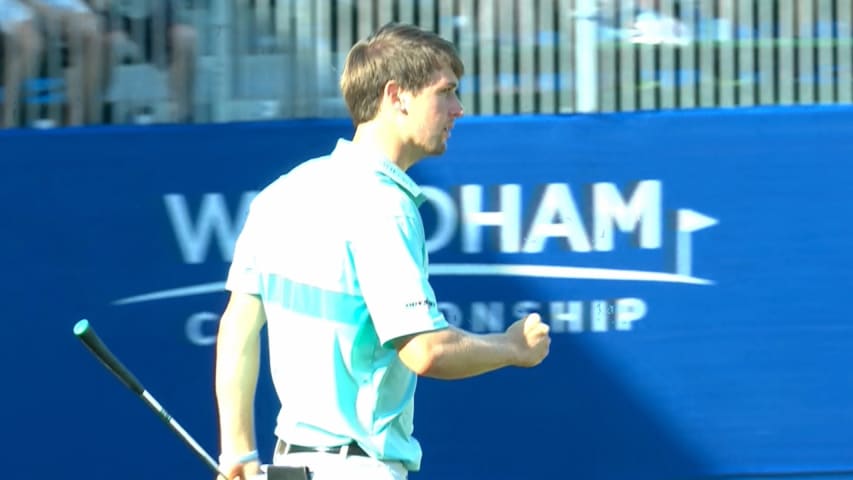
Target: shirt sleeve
{"type": "Point", "coordinates": [389, 256]}
{"type": "Point", "coordinates": [243, 275]}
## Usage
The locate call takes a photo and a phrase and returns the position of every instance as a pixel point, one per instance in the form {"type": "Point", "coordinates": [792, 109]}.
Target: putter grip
{"type": "Point", "coordinates": [84, 331]}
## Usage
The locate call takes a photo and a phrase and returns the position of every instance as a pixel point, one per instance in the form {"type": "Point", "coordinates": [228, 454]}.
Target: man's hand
{"type": "Point", "coordinates": [529, 337]}
{"type": "Point", "coordinates": [241, 471]}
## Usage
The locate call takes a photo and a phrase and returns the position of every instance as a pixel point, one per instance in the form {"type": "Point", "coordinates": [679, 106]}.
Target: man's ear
{"type": "Point", "coordinates": [395, 96]}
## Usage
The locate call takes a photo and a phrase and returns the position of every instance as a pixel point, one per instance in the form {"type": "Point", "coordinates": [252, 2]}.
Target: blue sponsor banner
{"type": "Point", "coordinates": [694, 268]}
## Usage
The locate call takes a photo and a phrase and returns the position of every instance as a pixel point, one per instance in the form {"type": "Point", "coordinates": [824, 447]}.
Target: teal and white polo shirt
{"type": "Point", "coordinates": [336, 251]}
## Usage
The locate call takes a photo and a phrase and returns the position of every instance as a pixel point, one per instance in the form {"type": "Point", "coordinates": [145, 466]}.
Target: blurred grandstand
{"type": "Point", "coordinates": [265, 59]}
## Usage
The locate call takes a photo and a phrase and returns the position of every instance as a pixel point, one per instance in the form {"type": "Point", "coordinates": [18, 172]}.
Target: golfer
{"type": "Point", "coordinates": [332, 259]}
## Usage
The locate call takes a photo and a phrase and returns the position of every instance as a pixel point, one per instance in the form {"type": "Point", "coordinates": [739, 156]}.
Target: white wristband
{"type": "Point", "coordinates": [238, 459]}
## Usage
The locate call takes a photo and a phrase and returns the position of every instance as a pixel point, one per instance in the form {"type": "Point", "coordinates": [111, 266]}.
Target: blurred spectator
{"type": "Point", "coordinates": [651, 26]}
{"type": "Point", "coordinates": [133, 28]}
{"type": "Point", "coordinates": [77, 28]}
{"type": "Point", "coordinates": [644, 21]}
{"type": "Point", "coordinates": [21, 48]}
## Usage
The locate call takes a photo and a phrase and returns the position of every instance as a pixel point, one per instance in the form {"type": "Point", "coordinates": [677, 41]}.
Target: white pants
{"type": "Point", "coordinates": [333, 466]}
{"type": "Point", "coordinates": [13, 12]}
{"type": "Point", "coordinates": [73, 6]}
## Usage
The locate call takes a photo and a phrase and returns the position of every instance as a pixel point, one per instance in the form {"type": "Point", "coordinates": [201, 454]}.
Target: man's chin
{"type": "Point", "coordinates": [437, 150]}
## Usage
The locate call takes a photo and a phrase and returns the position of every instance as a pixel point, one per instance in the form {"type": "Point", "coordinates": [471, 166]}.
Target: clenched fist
{"type": "Point", "coordinates": [247, 471]}
{"type": "Point", "coordinates": [530, 339]}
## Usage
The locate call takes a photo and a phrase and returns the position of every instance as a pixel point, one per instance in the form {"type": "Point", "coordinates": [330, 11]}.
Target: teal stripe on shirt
{"type": "Point", "coordinates": [313, 301]}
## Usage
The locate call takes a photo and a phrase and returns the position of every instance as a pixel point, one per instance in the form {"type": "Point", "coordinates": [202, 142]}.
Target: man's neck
{"type": "Point", "coordinates": [376, 136]}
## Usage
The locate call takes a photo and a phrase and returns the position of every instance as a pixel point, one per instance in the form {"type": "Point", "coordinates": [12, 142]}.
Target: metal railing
{"type": "Point", "coordinates": [255, 59]}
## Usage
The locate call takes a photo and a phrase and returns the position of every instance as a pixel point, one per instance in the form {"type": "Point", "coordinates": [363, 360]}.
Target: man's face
{"type": "Point", "coordinates": [431, 113]}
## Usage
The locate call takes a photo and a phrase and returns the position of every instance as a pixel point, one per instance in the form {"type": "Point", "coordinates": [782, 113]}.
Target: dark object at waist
{"type": "Point", "coordinates": [352, 449]}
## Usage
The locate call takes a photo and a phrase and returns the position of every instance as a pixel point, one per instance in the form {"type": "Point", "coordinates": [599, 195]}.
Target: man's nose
{"type": "Point", "coordinates": [459, 110]}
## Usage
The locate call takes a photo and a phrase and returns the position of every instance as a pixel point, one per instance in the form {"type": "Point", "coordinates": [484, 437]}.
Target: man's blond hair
{"type": "Point", "coordinates": [399, 52]}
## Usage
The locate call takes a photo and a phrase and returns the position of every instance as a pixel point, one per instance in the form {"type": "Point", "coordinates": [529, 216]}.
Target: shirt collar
{"type": "Point", "coordinates": [380, 164]}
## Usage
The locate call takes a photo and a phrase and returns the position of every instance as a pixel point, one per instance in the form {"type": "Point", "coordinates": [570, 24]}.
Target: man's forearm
{"type": "Point", "coordinates": [457, 354]}
{"type": "Point", "coordinates": [237, 365]}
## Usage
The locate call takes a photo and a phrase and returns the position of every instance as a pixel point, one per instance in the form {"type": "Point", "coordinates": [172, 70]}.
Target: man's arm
{"type": "Point", "coordinates": [389, 255]}
{"type": "Point", "coordinates": [237, 364]}
{"type": "Point", "coordinates": [452, 353]}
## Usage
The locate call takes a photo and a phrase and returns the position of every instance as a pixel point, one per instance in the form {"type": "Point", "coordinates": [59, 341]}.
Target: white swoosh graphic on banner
{"type": "Point", "coordinates": [553, 271]}
{"type": "Point", "coordinates": [213, 287]}
{"type": "Point", "coordinates": [463, 269]}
